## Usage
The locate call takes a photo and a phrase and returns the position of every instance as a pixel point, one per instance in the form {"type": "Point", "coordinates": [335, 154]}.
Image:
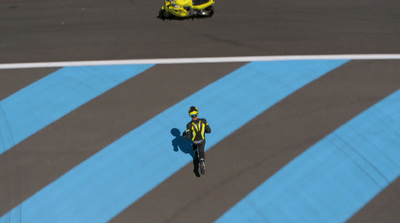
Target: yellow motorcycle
{"type": "Point", "coordinates": [187, 9]}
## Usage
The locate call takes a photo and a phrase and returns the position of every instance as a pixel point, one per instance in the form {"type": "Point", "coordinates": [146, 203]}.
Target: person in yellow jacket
{"type": "Point", "coordinates": [195, 131]}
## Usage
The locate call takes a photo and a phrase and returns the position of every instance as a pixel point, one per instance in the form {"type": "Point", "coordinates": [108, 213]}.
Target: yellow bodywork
{"type": "Point", "coordinates": [203, 6]}
{"type": "Point", "coordinates": [179, 8]}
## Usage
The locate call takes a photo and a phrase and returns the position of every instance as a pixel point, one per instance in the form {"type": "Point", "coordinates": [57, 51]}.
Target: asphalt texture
{"type": "Point", "coordinates": [75, 30]}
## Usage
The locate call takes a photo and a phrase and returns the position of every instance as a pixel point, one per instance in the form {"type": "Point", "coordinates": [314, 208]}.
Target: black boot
{"type": "Point", "coordinates": [202, 166]}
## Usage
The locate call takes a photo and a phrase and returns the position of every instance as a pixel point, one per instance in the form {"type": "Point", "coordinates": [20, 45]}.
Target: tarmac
{"type": "Point", "coordinates": [85, 30]}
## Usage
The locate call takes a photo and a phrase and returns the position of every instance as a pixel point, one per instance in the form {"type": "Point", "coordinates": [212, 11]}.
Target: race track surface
{"type": "Point", "coordinates": [98, 159]}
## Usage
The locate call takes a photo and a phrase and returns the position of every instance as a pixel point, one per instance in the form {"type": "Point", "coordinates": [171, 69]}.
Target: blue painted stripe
{"type": "Point", "coordinates": [111, 180]}
{"type": "Point", "coordinates": [336, 177]}
{"type": "Point", "coordinates": [41, 103]}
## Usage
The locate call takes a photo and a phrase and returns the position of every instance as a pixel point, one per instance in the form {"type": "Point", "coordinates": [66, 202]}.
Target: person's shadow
{"type": "Point", "coordinates": [180, 143]}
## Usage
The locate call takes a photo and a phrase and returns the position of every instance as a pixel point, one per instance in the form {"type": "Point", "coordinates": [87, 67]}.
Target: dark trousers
{"type": "Point", "coordinates": [200, 147]}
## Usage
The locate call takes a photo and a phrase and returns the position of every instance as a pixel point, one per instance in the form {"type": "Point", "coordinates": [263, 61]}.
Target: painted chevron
{"type": "Point", "coordinates": [43, 102]}
{"type": "Point", "coordinates": [341, 173]}
{"type": "Point", "coordinates": [254, 88]}
{"type": "Point", "coordinates": [130, 167]}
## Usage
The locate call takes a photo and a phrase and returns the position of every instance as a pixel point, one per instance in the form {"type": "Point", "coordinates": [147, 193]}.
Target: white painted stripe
{"type": "Point", "coordinates": [201, 60]}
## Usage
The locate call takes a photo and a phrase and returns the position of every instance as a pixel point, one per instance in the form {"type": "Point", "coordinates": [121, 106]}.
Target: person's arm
{"type": "Point", "coordinates": [208, 129]}
{"type": "Point", "coordinates": [188, 133]}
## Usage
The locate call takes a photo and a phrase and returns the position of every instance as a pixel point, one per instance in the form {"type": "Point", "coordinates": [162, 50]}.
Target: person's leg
{"type": "Point", "coordinates": [196, 154]}
{"type": "Point", "coordinates": [202, 158]}
{"type": "Point", "coordinates": [202, 154]}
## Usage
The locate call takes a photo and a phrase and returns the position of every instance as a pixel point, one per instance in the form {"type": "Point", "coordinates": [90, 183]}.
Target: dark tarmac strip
{"type": "Point", "coordinates": [249, 156]}
{"type": "Point", "coordinates": [383, 208]}
{"type": "Point", "coordinates": [50, 153]}
{"type": "Point", "coordinates": [13, 80]}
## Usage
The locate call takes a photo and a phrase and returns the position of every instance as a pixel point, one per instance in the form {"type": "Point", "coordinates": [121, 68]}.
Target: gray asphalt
{"type": "Point", "coordinates": [50, 30]}
{"type": "Point", "coordinates": [74, 30]}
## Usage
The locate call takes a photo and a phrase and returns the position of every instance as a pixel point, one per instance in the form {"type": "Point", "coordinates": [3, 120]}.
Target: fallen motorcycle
{"type": "Point", "coordinates": [187, 9]}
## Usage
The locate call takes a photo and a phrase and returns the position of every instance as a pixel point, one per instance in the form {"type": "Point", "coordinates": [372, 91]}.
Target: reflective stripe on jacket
{"type": "Point", "coordinates": [196, 129]}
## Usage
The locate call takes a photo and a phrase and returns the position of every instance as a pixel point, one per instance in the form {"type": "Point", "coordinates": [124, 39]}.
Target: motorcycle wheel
{"type": "Point", "coordinates": [211, 11]}
{"type": "Point", "coordinates": [161, 14]}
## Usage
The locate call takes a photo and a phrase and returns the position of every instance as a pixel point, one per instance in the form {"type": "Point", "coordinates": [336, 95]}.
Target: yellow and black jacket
{"type": "Point", "coordinates": [196, 129]}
